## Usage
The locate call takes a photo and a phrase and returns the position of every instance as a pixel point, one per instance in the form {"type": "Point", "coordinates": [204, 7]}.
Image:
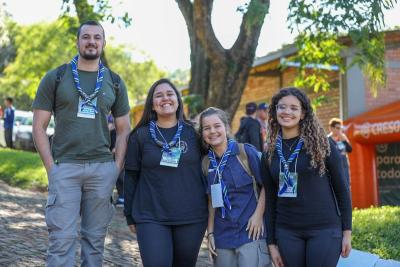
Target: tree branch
{"type": "Point", "coordinates": [250, 28]}
{"type": "Point", "coordinates": [204, 30]}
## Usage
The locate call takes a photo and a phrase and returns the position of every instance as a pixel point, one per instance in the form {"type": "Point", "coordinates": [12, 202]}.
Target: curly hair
{"type": "Point", "coordinates": [316, 142]}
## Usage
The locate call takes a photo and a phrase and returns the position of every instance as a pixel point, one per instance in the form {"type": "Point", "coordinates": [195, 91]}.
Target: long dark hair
{"type": "Point", "coordinates": [315, 141]}
{"type": "Point", "coordinates": [149, 114]}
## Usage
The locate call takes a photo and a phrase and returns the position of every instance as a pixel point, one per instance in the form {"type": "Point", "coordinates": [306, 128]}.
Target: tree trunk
{"type": "Point", "coordinates": [220, 75]}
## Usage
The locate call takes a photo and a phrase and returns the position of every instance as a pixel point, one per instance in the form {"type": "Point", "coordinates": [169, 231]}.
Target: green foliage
{"type": "Point", "coordinates": [377, 231]}
{"type": "Point", "coordinates": [180, 77]}
{"type": "Point", "coordinates": [22, 169]}
{"type": "Point", "coordinates": [101, 10]}
{"type": "Point", "coordinates": [318, 21]}
{"type": "Point", "coordinates": [39, 48]}
{"type": "Point", "coordinates": [7, 39]}
{"type": "Point", "coordinates": [195, 104]}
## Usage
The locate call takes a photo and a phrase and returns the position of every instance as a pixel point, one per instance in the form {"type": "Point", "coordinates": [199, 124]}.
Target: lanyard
{"type": "Point", "coordinates": [87, 99]}
{"type": "Point", "coordinates": [292, 157]}
{"type": "Point", "coordinates": [219, 168]}
{"type": "Point", "coordinates": [166, 147]}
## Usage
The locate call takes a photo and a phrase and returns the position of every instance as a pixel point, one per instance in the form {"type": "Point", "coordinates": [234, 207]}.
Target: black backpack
{"type": "Point", "coordinates": [241, 135]}
{"type": "Point", "coordinates": [116, 80]}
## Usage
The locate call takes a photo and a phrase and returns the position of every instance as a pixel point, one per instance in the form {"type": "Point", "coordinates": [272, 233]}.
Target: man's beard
{"type": "Point", "coordinates": [89, 56]}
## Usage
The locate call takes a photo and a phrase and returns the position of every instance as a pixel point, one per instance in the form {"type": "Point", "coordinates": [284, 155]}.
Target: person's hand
{"type": "Point", "coordinates": [132, 228]}
{"type": "Point", "coordinates": [212, 252]}
{"type": "Point", "coordinates": [275, 256]}
{"type": "Point", "coordinates": [346, 244]}
{"type": "Point", "coordinates": [255, 226]}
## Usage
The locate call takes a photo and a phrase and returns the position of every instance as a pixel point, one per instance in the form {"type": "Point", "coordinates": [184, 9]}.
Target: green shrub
{"type": "Point", "coordinates": [22, 169]}
{"type": "Point", "coordinates": [377, 230]}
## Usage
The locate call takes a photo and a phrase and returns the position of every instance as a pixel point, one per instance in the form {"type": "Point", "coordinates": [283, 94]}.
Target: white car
{"type": "Point", "coordinates": [19, 115]}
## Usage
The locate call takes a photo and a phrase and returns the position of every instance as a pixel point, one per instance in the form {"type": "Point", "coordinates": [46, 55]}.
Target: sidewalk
{"type": "Point", "coordinates": [23, 233]}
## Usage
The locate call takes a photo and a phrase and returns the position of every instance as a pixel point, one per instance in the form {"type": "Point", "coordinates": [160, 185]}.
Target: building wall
{"type": "Point", "coordinates": [391, 92]}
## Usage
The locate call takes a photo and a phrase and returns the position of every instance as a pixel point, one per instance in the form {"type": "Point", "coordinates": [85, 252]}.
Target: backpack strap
{"type": "Point", "coordinates": [205, 164]}
{"type": "Point", "coordinates": [59, 74]}
{"type": "Point", "coordinates": [116, 80]}
{"type": "Point", "coordinates": [244, 161]}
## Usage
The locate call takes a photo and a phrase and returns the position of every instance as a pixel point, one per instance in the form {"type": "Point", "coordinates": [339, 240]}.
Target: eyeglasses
{"type": "Point", "coordinates": [288, 108]}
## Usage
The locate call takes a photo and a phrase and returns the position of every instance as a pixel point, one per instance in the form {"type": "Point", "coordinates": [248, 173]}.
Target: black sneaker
{"type": "Point", "coordinates": [120, 202]}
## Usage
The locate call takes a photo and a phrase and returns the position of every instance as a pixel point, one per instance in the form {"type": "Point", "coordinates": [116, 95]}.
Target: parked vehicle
{"type": "Point", "coordinates": [19, 116]}
{"type": "Point", "coordinates": [23, 134]}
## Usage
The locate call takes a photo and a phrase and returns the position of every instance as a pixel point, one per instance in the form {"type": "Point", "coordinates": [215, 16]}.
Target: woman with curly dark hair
{"type": "Point", "coordinates": [308, 206]}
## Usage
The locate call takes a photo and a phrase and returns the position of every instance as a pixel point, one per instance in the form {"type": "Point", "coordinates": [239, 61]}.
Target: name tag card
{"type": "Point", "coordinates": [171, 159]}
{"type": "Point", "coordinates": [86, 111]}
{"type": "Point", "coordinates": [216, 196]}
{"type": "Point", "coordinates": [285, 189]}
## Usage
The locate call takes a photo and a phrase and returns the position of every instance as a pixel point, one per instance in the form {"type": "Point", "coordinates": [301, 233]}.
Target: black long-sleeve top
{"type": "Point", "coordinates": [315, 206]}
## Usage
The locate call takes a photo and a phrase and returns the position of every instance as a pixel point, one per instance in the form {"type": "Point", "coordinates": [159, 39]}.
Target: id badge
{"type": "Point", "coordinates": [86, 111]}
{"type": "Point", "coordinates": [171, 159]}
{"type": "Point", "coordinates": [286, 190]}
{"type": "Point", "coordinates": [216, 196]}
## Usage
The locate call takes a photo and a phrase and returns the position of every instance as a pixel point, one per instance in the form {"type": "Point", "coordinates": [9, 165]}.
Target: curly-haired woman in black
{"type": "Point", "coordinates": [308, 204]}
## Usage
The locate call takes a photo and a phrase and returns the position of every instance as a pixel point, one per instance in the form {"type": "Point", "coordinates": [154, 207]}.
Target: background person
{"type": "Point", "coordinates": [342, 144]}
{"type": "Point", "coordinates": [307, 199]}
{"type": "Point", "coordinates": [9, 116]}
{"type": "Point", "coordinates": [236, 235]}
{"type": "Point", "coordinates": [165, 200]}
{"type": "Point", "coordinates": [250, 129]}
{"type": "Point", "coordinates": [262, 117]}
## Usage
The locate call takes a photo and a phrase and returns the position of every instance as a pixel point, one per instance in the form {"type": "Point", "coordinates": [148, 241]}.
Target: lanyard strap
{"type": "Point", "coordinates": [292, 157]}
{"type": "Point", "coordinates": [219, 168]}
{"type": "Point", "coordinates": [87, 99]}
{"type": "Point", "coordinates": [166, 147]}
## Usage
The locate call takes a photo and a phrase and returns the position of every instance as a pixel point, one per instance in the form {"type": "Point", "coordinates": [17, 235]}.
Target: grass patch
{"type": "Point", "coordinates": [22, 169]}
{"type": "Point", "coordinates": [377, 230]}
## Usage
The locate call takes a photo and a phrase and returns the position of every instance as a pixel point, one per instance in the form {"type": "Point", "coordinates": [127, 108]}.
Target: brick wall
{"type": "Point", "coordinates": [391, 92]}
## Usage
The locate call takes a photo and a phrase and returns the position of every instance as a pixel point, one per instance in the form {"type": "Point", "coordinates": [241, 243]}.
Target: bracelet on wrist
{"type": "Point", "coordinates": [208, 235]}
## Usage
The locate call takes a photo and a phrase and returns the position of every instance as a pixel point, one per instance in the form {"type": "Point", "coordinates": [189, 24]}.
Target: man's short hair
{"type": "Point", "coordinates": [92, 23]}
{"type": "Point", "coordinates": [251, 107]}
{"type": "Point", "coordinates": [335, 121]}
{"type": "Point", "coordinates": [9, 99]}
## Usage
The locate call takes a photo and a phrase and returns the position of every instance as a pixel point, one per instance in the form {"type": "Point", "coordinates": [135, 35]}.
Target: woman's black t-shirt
{"type": "Point", "coordinates": [162, 194]}
{"type": "Point", "coordinates": [314, 207]}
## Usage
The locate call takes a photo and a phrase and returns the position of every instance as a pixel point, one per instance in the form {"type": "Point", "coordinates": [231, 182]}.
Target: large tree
{"type": "Point", "coordinates": [219, 75]}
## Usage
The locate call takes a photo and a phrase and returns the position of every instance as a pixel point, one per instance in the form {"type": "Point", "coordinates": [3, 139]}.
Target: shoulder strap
{"type": "Point", "coordinates": [60, 73]}
{"type": "Point", "coordinates": [116, 80]}
{"type": "Point", "coordinates": [205, 164]}
{"type": "Point", "coordinates": [244, 161]}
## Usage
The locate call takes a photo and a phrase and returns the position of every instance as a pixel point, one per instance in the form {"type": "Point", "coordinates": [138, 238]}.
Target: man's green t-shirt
{"type": "Point", "coordinates": [76, 139]}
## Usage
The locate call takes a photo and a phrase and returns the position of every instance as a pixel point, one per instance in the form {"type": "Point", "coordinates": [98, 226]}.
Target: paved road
{"type": "Point", "coordinates": [23, 233]}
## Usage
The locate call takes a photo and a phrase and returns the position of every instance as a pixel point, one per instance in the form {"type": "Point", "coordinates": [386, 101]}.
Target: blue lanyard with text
{"type": "Point", "coordinates": [292, 157]}
{"type": "Point", "coordinates": [87, 99]}
{"type": "Point", "coordinates": [219, 168]}
{"type": "Point", "coordinates": [166, 147]}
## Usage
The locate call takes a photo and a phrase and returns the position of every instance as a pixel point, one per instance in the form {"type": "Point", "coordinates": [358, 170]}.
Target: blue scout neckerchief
{"type": "Point", "coordinates": [219, 168]}
{"type": "Point", "coordinates": [287, 178]}
{"type": "Point", "coordinates": [166, 147]}
{"type": "Point", "coordinates": [89, 100]}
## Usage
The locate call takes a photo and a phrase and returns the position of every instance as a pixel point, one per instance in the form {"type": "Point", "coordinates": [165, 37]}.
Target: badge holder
{"type": "Point", "coordinates": [287, 189]}
{"type": "Point", "coordinates": [86, 111]}
{"type": "Point", "coordinates": [216, 193]}
{"type": "Point", "coordinates": [171, 158]}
